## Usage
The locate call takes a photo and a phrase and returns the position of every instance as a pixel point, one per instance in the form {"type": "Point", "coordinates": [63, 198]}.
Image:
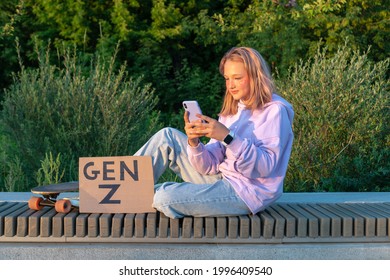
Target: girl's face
{"type": "Point", "coordinates": [237, 80]}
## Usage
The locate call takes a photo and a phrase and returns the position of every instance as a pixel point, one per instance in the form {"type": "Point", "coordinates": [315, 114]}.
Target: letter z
{"type": "Point", "coordinates": [107, 199]}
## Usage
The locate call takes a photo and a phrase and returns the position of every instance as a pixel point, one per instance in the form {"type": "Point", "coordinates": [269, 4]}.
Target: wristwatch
{"type": "Point", "coordinates": [228, 139]}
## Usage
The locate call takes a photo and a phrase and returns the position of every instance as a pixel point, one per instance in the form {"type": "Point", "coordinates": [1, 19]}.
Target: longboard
{"type": "Point", "coordinates": [49, 197]}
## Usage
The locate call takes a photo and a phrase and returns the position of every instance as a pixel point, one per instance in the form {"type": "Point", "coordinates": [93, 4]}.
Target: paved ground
{"type": "Point", "coordinates": [344, 251]}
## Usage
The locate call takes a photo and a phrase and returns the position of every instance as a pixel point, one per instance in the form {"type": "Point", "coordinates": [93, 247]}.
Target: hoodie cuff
{"type": "Point", "coordinates": [195, 150]}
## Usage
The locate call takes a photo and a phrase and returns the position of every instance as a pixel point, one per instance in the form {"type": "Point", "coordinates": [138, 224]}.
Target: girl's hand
{"type": "Point", "coordinates": [191, 131]}
{"type": "Point", "coordinates": [210, 128]}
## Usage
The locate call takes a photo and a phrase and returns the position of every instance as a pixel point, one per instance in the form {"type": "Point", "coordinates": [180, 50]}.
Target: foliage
{"type": "Point", "coordinates": [341, 125]}
{"type": "Point", "coordinates": [12, 21]}
{"type": "Point", "coordinates": [364, 23]}
{"type": "Point", "coordinates": [14, 178]}
{"type": "Point", "coordinates": [50, 171]}
{"type": "Point", "coordinates": [76, 110]}
{"type": "Point", "coordinates": [176, 45]}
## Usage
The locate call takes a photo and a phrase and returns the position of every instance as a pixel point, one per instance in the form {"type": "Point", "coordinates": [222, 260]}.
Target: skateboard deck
{"type": "Point", "coordinates": [49, 197]}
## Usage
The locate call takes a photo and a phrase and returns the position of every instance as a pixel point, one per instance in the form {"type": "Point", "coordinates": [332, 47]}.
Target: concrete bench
{"type": "Point", "coordinates": [287, 222]}
{"type": "Point", "coordinates": [279, 223]}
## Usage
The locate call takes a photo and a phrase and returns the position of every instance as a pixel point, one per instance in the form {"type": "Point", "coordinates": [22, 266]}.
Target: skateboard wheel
{"type": "Point", "coordinates": [34, 203]}
{"type": "Point", "coordinates": [63, 206]}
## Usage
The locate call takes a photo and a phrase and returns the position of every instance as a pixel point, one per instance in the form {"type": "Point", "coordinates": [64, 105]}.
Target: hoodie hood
{"type": "Point", "coordinates": [276, 99]}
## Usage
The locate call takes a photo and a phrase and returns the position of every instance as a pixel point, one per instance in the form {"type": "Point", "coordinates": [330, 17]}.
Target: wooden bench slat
{"type": "Point", "coordinates": [58, 225]}
{"type": "Point", "coordinates": [255, 226]}
{"type": "Point", "coordinates": [358, 221]}
{"type": "Point", "coordinates": [82, 225]}
{"type": "Point", "coordinates": [290, 221]}
{"type": "Point", "coordinates": [369, 220]}
{"type": "Point", "coordinates": [233, 227]}
{"type": "Point", "coordinates": [268, 223]}
{"type": "Point", "coordinates": [313, 223]}
{"type": "Point", "coordinates": [22, 221]}
{"type": "Point", "coordinates": [210, 227]}
{"type": "Point", "coordinates": [6, 210]}
{"type": "Point", "coordinates": [346, 220]}
{"type": "Point", "coordinates": [163, 225]}
{"type": "Point", "coordinates": [117, 225]}
{"type": "Point", "coordinates": [245, 226]}
{"type": "Point", "coordinates": [105, 224]}
{"type": "Point", "coordinates": [221, 227]}
{"type": "Point", "coordinates": [139, 225]}
{"type": "Point", "coordinates": [151, 225]}
{"type": "Point", "coordinates": [198, 227]}
{"type": "Point", "coordinates": [93, 227]}
{"type": "Point", "coordinates": [3, 203]}
{"type": "Point", "coordinates": [174, 228]}
{"type": "Point", "coordinates": [187, 227]}
{"type": "Point", "coordinates": [301, 220]}
{"type": "Point", "coordinates": [70, 223]}
{"type": "Point", "coordinates": [279, 223]}
{"type": "Point", "coordinates": [46, 223]}
{"type": "Point", "coordinates": [6, 205]}
{"type": "Point", "coordinates": [34, 222]}
{"type": "Point", "coordinates": [10, 221]}
{"type": "Point", "coordinates": [384, 222]}
{"type": "Point", "coordinates": [128, 225]}
{"type": "Point", "coordinates": [324, 220]}
{"type": "Point", "coordinates": [335, 220]}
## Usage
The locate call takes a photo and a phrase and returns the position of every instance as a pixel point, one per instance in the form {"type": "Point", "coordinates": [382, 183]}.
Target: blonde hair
{"type": "Point", "coordinates": [261, 83]}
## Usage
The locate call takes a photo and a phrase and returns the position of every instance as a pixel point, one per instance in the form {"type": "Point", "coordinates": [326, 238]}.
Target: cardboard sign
{"type": "Point", "coordinates": [116, 184]}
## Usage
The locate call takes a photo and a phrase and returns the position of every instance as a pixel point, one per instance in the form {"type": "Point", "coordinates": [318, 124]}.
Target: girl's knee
{"type": "Point", "coordinates": [162, 196]}
{"type": "Point", "coordinates": [162, 202]}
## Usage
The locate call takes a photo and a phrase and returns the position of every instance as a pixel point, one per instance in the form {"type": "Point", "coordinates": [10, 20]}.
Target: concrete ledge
{"type": "Point", "coordinates": [56, 251]}
{"type": "Point", "coordinates": [299, 226]}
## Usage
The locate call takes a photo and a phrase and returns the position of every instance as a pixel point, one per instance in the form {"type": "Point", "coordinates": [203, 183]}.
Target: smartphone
{"type": "Point", "coordinates": [193, 108]}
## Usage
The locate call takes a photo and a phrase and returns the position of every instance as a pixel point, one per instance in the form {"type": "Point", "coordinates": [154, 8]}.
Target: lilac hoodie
{"type": "Point", "coordinates": [255, 162]}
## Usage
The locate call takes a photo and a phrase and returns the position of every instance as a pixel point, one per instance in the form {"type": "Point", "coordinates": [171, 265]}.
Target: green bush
{"type": "Point", "coordinates": [50, 171]}
{"type": "Point", "coordinates": [76, 110]}
{"type": "Point", "coordinates": [341, 125]}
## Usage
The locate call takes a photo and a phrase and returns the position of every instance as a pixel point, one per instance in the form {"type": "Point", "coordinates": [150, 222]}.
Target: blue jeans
{"type": "Point", "coordinates": [199, 195]}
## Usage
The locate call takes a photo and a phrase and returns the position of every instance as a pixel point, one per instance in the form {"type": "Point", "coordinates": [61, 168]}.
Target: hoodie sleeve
{"type": "Point", "coordinates": [261, 156]}
{"type": "Point", "coordinates": [206, 158]}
